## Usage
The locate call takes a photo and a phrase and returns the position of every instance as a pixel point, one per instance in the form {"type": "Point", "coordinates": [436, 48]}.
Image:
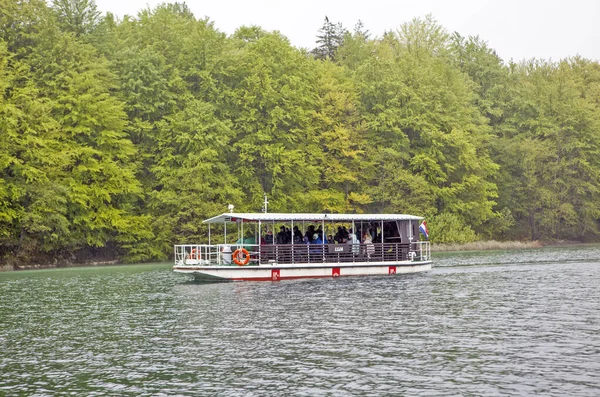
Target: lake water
{"type": "Point", "coordinates": [485, 323]}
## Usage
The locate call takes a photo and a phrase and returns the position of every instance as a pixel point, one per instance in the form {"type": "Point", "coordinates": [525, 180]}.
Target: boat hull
{"type": "Point", "coordinates": [276, 272]}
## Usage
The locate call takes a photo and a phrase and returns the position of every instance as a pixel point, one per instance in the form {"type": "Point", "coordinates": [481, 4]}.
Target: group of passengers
{"type": "Point", "coordinates": [315, 236]}
{"type": "Point", "coordinates": [285, 236]}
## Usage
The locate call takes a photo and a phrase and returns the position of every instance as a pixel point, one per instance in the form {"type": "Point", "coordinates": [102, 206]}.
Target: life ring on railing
{"type": "Point", "coordinates": [195, 254]}
{"type": "Point", "coordinates": [236, 257]}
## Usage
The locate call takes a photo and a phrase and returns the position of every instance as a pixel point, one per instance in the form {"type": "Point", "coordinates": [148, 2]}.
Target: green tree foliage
{"type": "Point", "coordinates": [193, 177]}
{"type": "Point", "coordinates": [487, 72]}
{"type": "Point", "coordinates": [552, 144]}
{"type": "Point", "coordinates": [270, 104]}
{"type": "Point", "coordinates": [97, 171]}
{"type": "Point", "coordinates": [449, 228]}
{"type": "Point", "coordinates": [329, 40]}
{"type": "Point", "coordinates": [32, 203]}
{"type": "Point", "coordinates": [427, 139]}
{"type": "Point", "coordinates": [119, 136]}
{"type": "Point", "coordinates": [80, 17]}
{"type": "Point", "coordinates": [67, 163]}
{"type": "Point", "coordinates": [356, 49]}
{"type": "Point", "coordinates": [340, 135]}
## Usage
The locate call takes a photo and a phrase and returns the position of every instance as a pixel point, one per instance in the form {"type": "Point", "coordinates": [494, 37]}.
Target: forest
{"type": "Point", "coordinates": [118, 136]}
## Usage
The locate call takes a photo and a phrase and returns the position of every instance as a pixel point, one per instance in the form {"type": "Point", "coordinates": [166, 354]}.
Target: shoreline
{"type": "Point", "coordinates": [38, 266]}
{"type": "Point", "coordinates": [488, 245]}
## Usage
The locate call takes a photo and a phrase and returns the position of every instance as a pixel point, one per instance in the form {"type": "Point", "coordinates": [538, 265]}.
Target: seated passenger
{"type": "Point", "coordinates": [316, 239]}
{"type": "Point", "coordinates": [320, 232]}
{"type": "Point", "coordinates": [310, 232]}
{"type": "Point", "coordinates": [282, 236]}
{"type": "Point", "coordinates": [298, 237]}
{"type": "Point", "coordinates": [354, 241]}
{"type": "Point", "coordinates": [368, 240]}
{"type": "Point", "coordinates": [315, 242]}
{"type": "Point", "coordinates": [339, 235]}
{"type": "Point", "coordinates": [269, 237]}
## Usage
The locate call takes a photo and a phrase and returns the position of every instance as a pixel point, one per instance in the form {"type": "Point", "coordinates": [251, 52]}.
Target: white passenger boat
{"type": "Point", "coordinates": [268, 247]}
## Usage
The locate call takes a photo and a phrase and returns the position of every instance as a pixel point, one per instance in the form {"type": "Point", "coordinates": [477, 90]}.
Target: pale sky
{"type": "Point", "coordinates": [516, 29]}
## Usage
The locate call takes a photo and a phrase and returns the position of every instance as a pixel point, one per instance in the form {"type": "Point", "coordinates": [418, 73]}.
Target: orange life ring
{"type": "Point", "coordinates": [236, 256]}
{"type": "Point", "coordinates": [195, 254]}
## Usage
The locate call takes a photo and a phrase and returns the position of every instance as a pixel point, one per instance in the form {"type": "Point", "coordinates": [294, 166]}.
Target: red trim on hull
{"type": "Point", "coordinates": [281, 278]}
{"type": "Point", "coordinates": [296, 277]}
{"type": "Point", "coordinates": [275, 275]}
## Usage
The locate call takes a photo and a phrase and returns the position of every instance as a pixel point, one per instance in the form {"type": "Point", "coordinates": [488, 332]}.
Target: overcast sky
{"type": "Point", "coordinates": [516, 29]}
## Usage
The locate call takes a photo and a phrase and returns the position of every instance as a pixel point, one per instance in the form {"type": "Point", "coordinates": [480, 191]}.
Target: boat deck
{"type": "Point", "coordinates": [221, 254]}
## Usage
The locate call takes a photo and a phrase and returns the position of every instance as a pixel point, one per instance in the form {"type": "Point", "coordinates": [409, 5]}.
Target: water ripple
{"type": "Point", "coordinates": [522, 323]}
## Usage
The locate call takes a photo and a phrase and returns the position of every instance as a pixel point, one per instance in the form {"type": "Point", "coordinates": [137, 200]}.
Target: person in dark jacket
{"type": "Point", "coordinates": [282, 236]}
{"type": "Point", "coordinates": [269, 237]}
{"type": "Point", "coordinates": [298, 237]}
{"type": "Point", "coordinates": [310, 232]}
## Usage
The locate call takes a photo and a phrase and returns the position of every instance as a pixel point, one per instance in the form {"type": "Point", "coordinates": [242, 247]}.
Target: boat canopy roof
{"type": "Point", "coordinates": [287, 217]}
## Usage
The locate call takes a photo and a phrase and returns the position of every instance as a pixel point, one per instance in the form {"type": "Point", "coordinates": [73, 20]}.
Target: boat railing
{"type": "Point", "coordinates": [223, 254]}
{"type": "Point", "coordinates": [341, 253]}
{"type": "Point", "coordinates": [219, 254]}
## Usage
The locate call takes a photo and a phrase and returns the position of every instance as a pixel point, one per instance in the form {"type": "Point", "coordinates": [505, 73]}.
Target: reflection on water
{"type": "Point", "coordinates": [485, 323]}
